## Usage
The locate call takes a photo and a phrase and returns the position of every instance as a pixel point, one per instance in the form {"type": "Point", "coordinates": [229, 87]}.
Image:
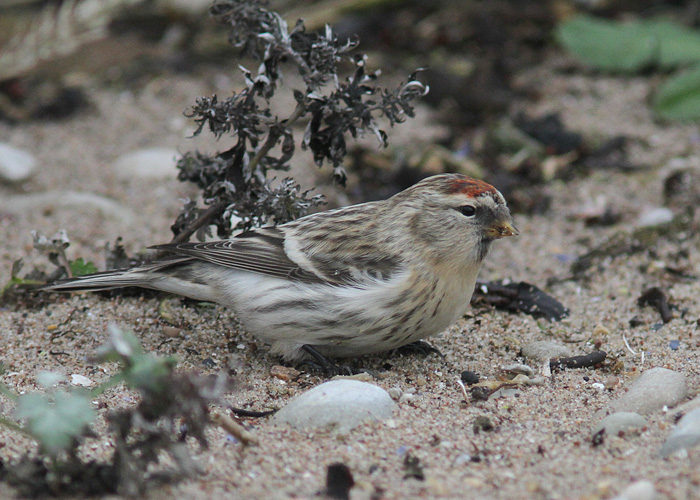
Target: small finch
{"type": "Point", "coordinates": [356, 280]}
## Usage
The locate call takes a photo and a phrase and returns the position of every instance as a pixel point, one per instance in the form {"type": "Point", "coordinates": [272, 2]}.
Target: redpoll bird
{"type": "Point", "coordinates": [355, 280]}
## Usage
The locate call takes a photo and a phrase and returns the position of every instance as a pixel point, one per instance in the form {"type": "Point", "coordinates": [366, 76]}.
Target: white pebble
{"type": "Point", "coordinates": [16, 165]}
{"type": "Point", "coordinates": [152, 163]}
{"type": "Point", "coordinates": [655, 217]}
{"type": "Point", "coordinates": [339, 405]}
{"type": "Point", "coordinates": [77, 379]}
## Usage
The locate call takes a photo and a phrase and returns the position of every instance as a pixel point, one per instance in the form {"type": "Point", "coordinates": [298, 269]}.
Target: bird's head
{"type": "Point", "coordinates": [453, 213]}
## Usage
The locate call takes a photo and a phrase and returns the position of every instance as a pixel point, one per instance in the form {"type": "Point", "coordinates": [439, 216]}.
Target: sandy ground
{"type": "Point", "coordinates": [540, 447]}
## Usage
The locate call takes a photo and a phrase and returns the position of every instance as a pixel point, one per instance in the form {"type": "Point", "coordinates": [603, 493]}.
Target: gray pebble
{"type": "Point", "coordinates": [685, 435]}
{"type": "Point", "coordinates": [68, 200]}
{"type": "Point", "coordinates": [340, 405]}
{"type": "Point", "coordinates": [654, 389]}
{"type": "Point", "coordinates": [16, 165]}
{"type": "Point", "coordinates": [395, 393]}
{"type": "Point", "coordinates": [621, 421]}
{"type": "Point", "coordinates": [151, 163]}
{"type": "Point", "coordinates": [639, 490]}
{"type": "Point", "coordinates": [655, 217]}
{"type": "Point", "coordinates": [518, 368]}
{"type": "Point", "coordinates": [543, 350]}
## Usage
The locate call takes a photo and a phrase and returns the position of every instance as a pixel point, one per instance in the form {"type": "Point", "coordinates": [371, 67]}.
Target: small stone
{"type": "Point", "coordinates": [544, 349]}
{"type": "Point", "coordinates": [674, 345]}
{"type": "Point", "coordinates": [514, 369]}
{"type": "Point", "coordinates": [622, 421]}
{"type": "Point", "coordinates": [600, 331]}
{"type": "Point", "coordinates": [406, 396]}
{"type": "Point", "coordinates": [362, 377]}
{"type": "Point", "coordinates": [151, 163]}
{"type": "Point", "coordinates": [80, 380]}
{"type": "Point", "coordinates": [395, 393]}
{"type": "Point", "coordinates": [482, 423]}
{"type": "Point", "coordinates": [16, 165]}
{"type": "Point", "coordinates": [611, 382]}
{"type": "Point", "coordinates": [655, 217]}
{"type": "Point", "coordinates": [685, 435]}
{"type": "Point", "coordinates": [654, 389]}
{"type": "Point", "coordinates": [209, 363]}
{"type": "Point", "coordinates": [339, 405]}
{"type": "Point", "coordinates": [640, 490]}
{"type": "Point", "coordinates": [469, 377]}
{"type": "Point", "coordinates": [285, 373]}
{"type": "Point", "coordinates": [171, 331]}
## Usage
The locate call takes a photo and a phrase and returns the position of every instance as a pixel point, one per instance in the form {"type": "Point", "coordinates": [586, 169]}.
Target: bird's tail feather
{"type": "Point", "coordinates": [117, 278]}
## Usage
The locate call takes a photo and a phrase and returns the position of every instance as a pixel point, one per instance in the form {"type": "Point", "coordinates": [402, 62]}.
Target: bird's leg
{"type": "Point", "coordinates": [419, 347]}
{"type": "Point", "coordinates": [322, 362]}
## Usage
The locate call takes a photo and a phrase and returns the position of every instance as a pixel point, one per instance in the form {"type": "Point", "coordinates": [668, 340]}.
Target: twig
{"type": "Point", "coordinates": [627, 344]}
{"type": "Point", "coordinates": [233, 428]}
{"type": "Point", "coordinates": [587, 360]}
{"type": "Point", "coordinates": [464, 390]}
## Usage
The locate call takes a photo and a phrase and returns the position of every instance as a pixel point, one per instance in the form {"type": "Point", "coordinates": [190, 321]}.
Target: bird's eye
{"type": "Point", "coordinates": [468, 210]}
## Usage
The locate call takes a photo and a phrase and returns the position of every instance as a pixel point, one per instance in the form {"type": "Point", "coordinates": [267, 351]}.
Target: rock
{"type": "Point", "coordinates": [688, 406]}
{"type": "Point", "coordinates": [82, 380]}
{"type": "Point", "coordinates": [621, 421]}
{"type": "Point", "coordinates": [685, 435]}
{"type": "Point", "coordinates": [640, 490]}
{"type": "Point", "coordinates": [654, 389]}
{"type": "Point", "coordinates": [655, 217]}
{"type": "Point", "coordinates": [16, 165]}
{"type": "Point", "coordinates": [50, 201]}
{"type": "Point", "coordinates": [513, 369]}
{"type": "Point", "coordinates": [340, 405]}
{"type": "Point", "coordinates": [152, 163]}
{"type": "Point", "coordinates": [544, 349]}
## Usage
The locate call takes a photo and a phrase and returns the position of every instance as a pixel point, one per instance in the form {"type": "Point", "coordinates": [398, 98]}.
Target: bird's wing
{"type": "Point", "coordinates": [263, 251]}
{"type": "Point", "coordinates": [260, 251]}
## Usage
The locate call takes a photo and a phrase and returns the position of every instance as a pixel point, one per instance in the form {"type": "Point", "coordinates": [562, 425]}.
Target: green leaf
{"type": "Point", "coordinates": [679, 97]}
{"type": "Point", "coordinates": [56, 422]}
{"type": "Point", "coordinates": [629, 46]}
{"type": "Point", "coordinates": [608, 45]}
{"type": "Point", "coordinates": [79, 267]}
{"type": "Point", "coordinates": [679, 45]}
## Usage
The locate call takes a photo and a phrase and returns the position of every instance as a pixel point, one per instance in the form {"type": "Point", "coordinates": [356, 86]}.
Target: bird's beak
{"type": "Point", "coordinates": [502, 229]}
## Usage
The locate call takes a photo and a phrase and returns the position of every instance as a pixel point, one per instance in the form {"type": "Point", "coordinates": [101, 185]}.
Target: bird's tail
{"type": "Point", "coordinates": [142, 276]}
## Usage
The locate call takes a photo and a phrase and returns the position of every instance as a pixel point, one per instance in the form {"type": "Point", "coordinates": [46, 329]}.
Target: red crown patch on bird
{"type": "Point", "coordinates": [472, 187]}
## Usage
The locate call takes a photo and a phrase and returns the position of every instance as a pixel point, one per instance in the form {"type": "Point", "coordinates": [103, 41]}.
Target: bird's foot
{"type": "Point", "coordinates": [418, 347]}
{"type": "Point", "coordinates": [320, 363]}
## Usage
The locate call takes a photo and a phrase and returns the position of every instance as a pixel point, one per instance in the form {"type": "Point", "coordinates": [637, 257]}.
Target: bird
{"type": "Point", "coordinates": [341, 283]}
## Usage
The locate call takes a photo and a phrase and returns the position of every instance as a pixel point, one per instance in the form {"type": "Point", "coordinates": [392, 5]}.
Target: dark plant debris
{"type": "Point", "coordinates": [412, 467]}
{"type": "Point", "coordinates": [235, 182]}
{"type": "Point", "coordinates": [519, 297]}
{"type": "Point", "coordinates": [339, 481]}
{"type": "Point", "coordinates": [585, 361]}
{"type": "Point", "coordinates": [626, 243]}
{"type": "Point", "coordinates": [656, 298]}
{"type": "Point", "coordinates": [482, 423]}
